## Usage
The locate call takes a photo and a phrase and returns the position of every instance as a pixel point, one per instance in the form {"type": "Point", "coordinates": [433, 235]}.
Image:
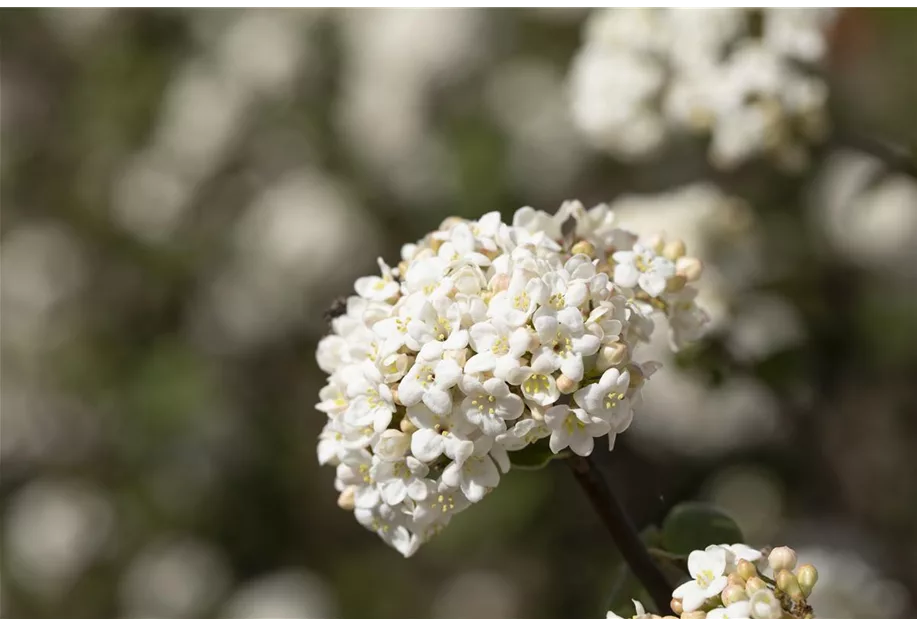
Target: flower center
{"type": "Point", "coordinates": [705, 578]}
{"type": "Point", "coordinates": [522, 301]}
{"type": "Point", "coordinates": [536, 383]}
{"type": "Point", "coordinates": [485, 403]}
{"type": "Point", "coordinates": [446, 502]}
{"type": "Point", "coordinates": [425, 376]}
{"type": "Point", "coordinates": [563, 345]}
{"type": "Point", "coordinates": [612, 399]}
{"type": "Point", "coordinates": [557, 301]}
{"type": "Point", "coordinates": [442, 329]}
{"type": "Point", "coordinates": [500, 346]}
{"type": "Point", "coordinates": [572, 423]}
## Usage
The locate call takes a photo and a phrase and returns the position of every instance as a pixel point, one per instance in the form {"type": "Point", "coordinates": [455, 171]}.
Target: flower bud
{"type": "Point", "coordinates": [392, 445]}
{"type": "Point", "coordinates": [782, 558]}
{"type": "Point", "coordinates": [407, 426]}
{"type": "Point", "coordinates": [499, 283]}
{"type": "Point", "coordinates": [764, 604]}
{"type": "Point", "coordinates": [753, 585]}
{"type": "Point", "coordinates": [787, 582]}
{"type": "Point", "coordinates": [460, 356]}
{"type": "Point", "coordinates": [676, 606]}
{"type": "Point", "coordinates": [345, 498]}
{"type": "Point", "coordinates": [746, 569]}
{"type": "Point", "coordinates": [734, 579]}
{"type": "Point", "coordinates": [583, 248]}
{"type": "Point", "coordinates": [396, 398]}
{"type": "Point", "coordinates": [674, 249]}
{"type": "Point", "coordinates": [807, 576]}
{"type": "Point", "coordinates": [656, 243]}
{"type": "Point", "coordinates": [604, 267]}
{"type": "Point", "coordinates": [697, 614]}
{"type": "Point", "coordinates": [675, 283]}
{"type": "Point", "coordinates": [733, 594]}
{"type": "Point", "coordinates": [566, 385]}
{"type": "Point", "coordinates": [689, 267]}
{"type": "Point", "coordinates": [611, 356]}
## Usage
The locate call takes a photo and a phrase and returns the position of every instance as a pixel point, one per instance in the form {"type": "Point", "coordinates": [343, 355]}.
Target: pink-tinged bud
{"type": "Point", "coordinates": [755, 584]}
{"type": "Point", "coordinates": [787, 582]}
{"type": "Point", "coordinates": [807, 577]}
{"type": "Point", "coordinates": [782, 558]}
{"type": "Point", "coordinates": [733, 594]}
{"type": "Point", "coordinates": [746, 569]}
{"type": "Point", "coordinates": [566, 385]}
{"type": "Point", "coordinates": [499, 283]}
{"type": "Point", "coordinates": [674, 249]}
{"type": "Point", "coordinates": [734, 579]}
{"type": "Point", "coordinates": [689, 267]}
{"type": "Point", "coordinates": [676, 606]}
{"type": "Point", "coordinates": [610, 356]}
{"type": "Point", "coordinates": [345, 498]}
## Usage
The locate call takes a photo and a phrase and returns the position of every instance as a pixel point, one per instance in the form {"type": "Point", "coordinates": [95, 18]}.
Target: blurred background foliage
{"type": "Point", "coordinates": [184, 193]}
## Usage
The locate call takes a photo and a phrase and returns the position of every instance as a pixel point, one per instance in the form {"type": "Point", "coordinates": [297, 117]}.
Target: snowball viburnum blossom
{"type": "Point", "coordinates": [743, 76]}
{"type": "Point", "coordinates": [487, 338]}
{"type": "Point", "coordinates": [729, 583]}
{"type": "Point", "coordinates": [708, 568]}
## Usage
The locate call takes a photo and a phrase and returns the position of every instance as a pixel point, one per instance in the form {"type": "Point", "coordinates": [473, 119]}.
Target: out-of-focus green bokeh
{"type": "Point", "coordinates": [185, 192]}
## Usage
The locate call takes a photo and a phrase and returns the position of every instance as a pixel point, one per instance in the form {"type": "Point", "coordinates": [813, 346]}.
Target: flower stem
{"type": "Point", "coordinates": [622, 531]}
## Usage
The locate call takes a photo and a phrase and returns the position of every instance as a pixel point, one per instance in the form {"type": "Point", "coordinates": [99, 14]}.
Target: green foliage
{"type": "Point", "coordinates": [692, 526]}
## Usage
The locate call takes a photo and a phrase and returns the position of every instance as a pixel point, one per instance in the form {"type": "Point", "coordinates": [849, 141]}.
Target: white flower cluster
{"type": "Point", "coordinates": [486, 338]}
{"type": "Point", "coordinates": [742, 75]}
{"type": "Point", "coordinates": [736, 581]}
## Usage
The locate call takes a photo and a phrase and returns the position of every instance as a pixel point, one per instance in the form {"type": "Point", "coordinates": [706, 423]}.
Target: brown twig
{"type": "Point", "coordinates": [622, 531]}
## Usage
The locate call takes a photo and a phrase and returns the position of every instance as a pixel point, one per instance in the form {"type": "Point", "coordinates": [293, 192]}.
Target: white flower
{"type": "Point", "coordinates": [540, 387]}
{"type": "Point", "coordinates": [765, 605]}
{"type": "Point", "coordinates": [644, 268]}
{"type": "Point", "coordinates": [430, 382]}
{"type": "Point", "coordinates": [378, 288]}
{"type": "Point", "coordinates": [639, 611]}
{"type": "Point", "coordinates": [574, 428]}
{"type": "Point", "coordinates": [564, 342]}
{"type": "Point", "coordinates": [516, 304]}
{"type": "Point", "coordinates": [437, 327]}
{"type": "Point", "coordinates": [392, 445]}
{"type": "Point", "coordinates": [523, 433]}
{"type": "Point", "coordinates": [499, 347]}
{"type": "Point", "coordinates": [737, 610]}
{"type": "Point", "coordinates": [607, 399]}
{"type": "Point", "coordinates": [400, 479]}
{"type": "Point", "coordinates": [475, 476]}
{"type": "Point", "coordinates": [708, 569]}
{"type": "Point", "coordinates": [371, 401]}
{"type": "Point", "coordinates": [489, 405]}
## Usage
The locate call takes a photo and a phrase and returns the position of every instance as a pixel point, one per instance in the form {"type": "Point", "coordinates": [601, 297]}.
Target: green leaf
{"type": "Point", "coordinates": [694, 526]}
{"type": "Point", "coordinates": [535, 456]}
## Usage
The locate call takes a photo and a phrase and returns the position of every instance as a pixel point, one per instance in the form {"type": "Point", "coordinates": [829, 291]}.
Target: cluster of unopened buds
{"type": "Point", "coordinates": [486, 338]}
{"type": "Point", "coordinates": [737, 581]}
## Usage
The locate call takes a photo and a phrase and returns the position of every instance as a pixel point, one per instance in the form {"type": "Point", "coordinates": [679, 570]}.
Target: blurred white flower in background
{"type": "Point", "coordinates": [282, 594]}
{"type": "Point", "coordinates": [643, 74]}
{"type": "Point", "coordinates": [478, 594]}
{"type": "Point", "coordinates": [868, 217]}
{"type": "Point", "coordinates": [849, 587]}
{"type": "Point", "coordinates": [43, 266]}
{"type": "Point", "coordinates": [526, 97]}
{"type": "Point", "coordinates": [77, 28]}
{"type": "Point", "coordinates": [683, 412]}
{"type": "Point", "coordinates": [54, 530]}
{"type": "Point", "coordinates": [393, 62]}
{"type": "Point", "coordinates": [174, 578]}
{"type": "Point", "coordinates": [256, 56]}
{"type": "Point", "coordinates": [291, 247]}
